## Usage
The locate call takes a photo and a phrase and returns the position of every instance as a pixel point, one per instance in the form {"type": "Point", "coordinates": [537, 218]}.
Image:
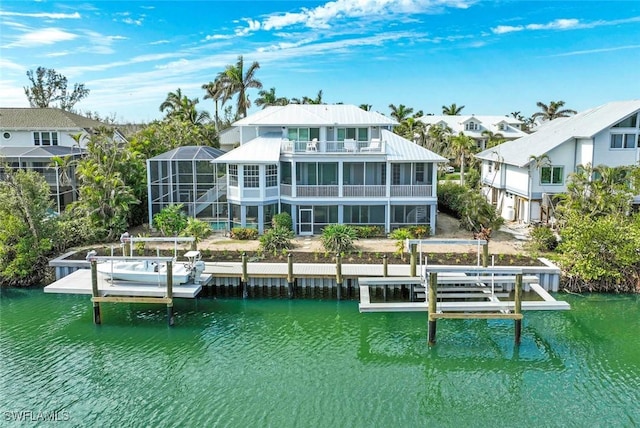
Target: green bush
{"type": "Point", "coordinates": [365, 232]}
{"type": "Point", "coordinates": [543, 239]}
{"type": "Point", "coordinates": [244, 233]}
{"type": "Point", "coordinates": [282, 220]}
{"type": "Point", "coordinates": [198, 229]}
{"type": "Point", "coordinates": [473, 210]}
{"type": "Point", "coordinates": [338, 238]}
{"type": "Point", "coordinates": [276, 239]}
{"type": "Point", "coordinates": [420, 231]}
{"type": "Point", "coordinates": [401, 235]}
{"type": "Point", "coordinates": [171, 220]}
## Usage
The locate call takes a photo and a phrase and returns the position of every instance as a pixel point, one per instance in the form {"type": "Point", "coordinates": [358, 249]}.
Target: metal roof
{"type": "Point", "coordinates": [315, 115]}
{"type": "Point", "coordinates": [264, 149]}
{"type": "Point", "coordinates": [487, 123]}
{"type": "Point", "coordinates": [549, 136]}
{"type": "Point", "coordinates": [401, 149]}
{"type": "Point", "coordinates": [39, 151]}
{"type": "Point", "coordinates": [44, 118]}
{"type": "Point", "coordinates": [190, 153]}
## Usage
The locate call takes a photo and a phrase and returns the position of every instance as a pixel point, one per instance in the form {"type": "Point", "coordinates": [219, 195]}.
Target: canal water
{"type": "Point", "coordinates": [310, 363]}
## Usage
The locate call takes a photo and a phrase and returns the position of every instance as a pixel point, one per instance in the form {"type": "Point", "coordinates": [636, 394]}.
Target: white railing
{"type": "Point", "coordinates": [363, 191]}
{"type": "Point", "coordinates": [285, 190]}
{"type": "Point", "coordinates": [411, 190]}
{"type": "Point", "coordinates": [317, 191]}
{"type": "Point", "coordinates": [309, 147]}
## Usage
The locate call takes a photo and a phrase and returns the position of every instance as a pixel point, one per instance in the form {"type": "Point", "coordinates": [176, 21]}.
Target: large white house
{"type": "Point", "coordinates": [520, 176]}
{"type": "Point", "coordinates": [480, 128]}
{"type": "Point", "coordinates": [326, 164]}
{"type": "Point", "coordinates": [31, 137]}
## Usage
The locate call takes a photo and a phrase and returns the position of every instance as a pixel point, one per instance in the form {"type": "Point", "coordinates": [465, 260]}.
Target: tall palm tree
{"type": "Point", "coordinates": [400, 113]}
{"type": "Point", "coordinates": [493, 139]}
{"type": "Point", "coordinates": [462, 146]}
{"type": "Point", "coordinates": [316, 100]}
{"type": "Point", "coordinates": [366, 107]}
{"type": "Point", "coordinates": [552, 111]}
{"type": "Point", "coordinates": [215, 91]}
{"type": "Point", "coordinates": [268, 98]}
{"type": "Point", "coordinates": [173, 102]}
{"type": "Point", "coordinates": [437, 138]}
{"type": "Point", "coordinates": [236, 80]}
{"type": "Point", "coordinates": [452, 110]}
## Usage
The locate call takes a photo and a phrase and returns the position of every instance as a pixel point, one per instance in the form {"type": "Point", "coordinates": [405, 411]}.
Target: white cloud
{"type": "Point", "coordinates": [132, 21]}
{"type": "Point", "coordinates": [592, 51]}
{"type": "Point", "coordinates": [46, 36]}
{"type": "Point", "coordinates": [160, 42]}
{"type": "Point", "coordinates": [75, 15]}
{"type": "Point", "coordinates": [219, 37]}
{"type": "Point", "coordinates": [322, 16]}
{"type": "Point", "coordinates": [562, 24]}
{"type": "Point", "coordinates": [558, 24]}
{"type": "Point", "coordinates": [5, 64]}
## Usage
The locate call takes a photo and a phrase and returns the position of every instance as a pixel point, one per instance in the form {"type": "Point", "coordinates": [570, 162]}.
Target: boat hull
{"type": "Point", "coordinates": [144, 272]}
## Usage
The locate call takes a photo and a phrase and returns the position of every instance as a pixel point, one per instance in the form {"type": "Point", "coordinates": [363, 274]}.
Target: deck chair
{"type": "Point", "coordinates": [374, 146]}
{"type": "Point", "coordinates": [350, 145]}
{"type": "Point", "coordinates": [312, 146]}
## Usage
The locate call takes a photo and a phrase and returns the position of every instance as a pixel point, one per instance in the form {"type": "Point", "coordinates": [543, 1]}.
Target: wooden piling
{"type": "Point", "coordinates": [170, 315]}
{"type": "Point", "coordinates": [433, 293]}
{"type": "Point", "coordinates": [385, 272]}
{"type": "Point", "coordinates": [485, 255]}
{"type": "Point", "coordinates": [290, 278]}
{"type": "Point", "coordinates": [339, 278]}
{"type": "Point", "coordinates": [518, 308]}
{"type": "Point", "coordinates": [94, 292]}
{"type": "Point", "coordinates": [244, 279]}
{"type": "Point", "coordinates": [414, 259]}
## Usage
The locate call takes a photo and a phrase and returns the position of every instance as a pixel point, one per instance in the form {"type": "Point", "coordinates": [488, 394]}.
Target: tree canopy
{"type": "Point", "coordinates": [49, 89]}
{"type": "Point", "coordinates": [552, 111]}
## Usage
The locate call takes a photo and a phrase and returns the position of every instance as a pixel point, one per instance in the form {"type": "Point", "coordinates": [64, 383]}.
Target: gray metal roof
{"type": "Point", "coordinates": [315, 115]}
{"type": "Point", "coordinates": [39, 151]}
{"type": "Point", "coordinates": [264, 149]}
{"type": "Point", "coordinates": [44, 118]}
{"type": "Point", "coordinates": [487, 123]}
{"type": "Point", "coordinates": [400, 149]}
{"type": "Point", "coordinates": [549, 136]}
{"type": "Point", "coordinates": [190, 153]}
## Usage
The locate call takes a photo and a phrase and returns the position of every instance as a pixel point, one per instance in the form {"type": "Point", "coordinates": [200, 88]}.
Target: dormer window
{"type": "Point", "coordinates": [471, 126]}
{"type": "Point", "coordinates": [630, 122]}
{"type": "Point", "coordinates": [502, 126]}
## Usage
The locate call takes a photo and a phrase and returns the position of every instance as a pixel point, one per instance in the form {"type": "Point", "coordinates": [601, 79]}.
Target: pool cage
{"type": "Point", "coordinates": [185, 175]}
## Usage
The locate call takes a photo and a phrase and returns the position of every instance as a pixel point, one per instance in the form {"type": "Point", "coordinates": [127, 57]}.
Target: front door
{"type": "Point", "coordinates": [306, 221]}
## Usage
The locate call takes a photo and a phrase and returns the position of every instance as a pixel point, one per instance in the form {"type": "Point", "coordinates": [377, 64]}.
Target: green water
{"type": "Point", "coordinates": [280, 363]}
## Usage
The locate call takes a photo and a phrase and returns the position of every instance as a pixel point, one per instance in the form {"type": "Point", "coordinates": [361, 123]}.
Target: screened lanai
{"type": "Point", "coordinates": [185, 175]}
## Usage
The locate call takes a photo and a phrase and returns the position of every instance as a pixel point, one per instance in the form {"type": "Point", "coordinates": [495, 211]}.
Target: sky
{"type": "Point", "coordinates": [493, 57]}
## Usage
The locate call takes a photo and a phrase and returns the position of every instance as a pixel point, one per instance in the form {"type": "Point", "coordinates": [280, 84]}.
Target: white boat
{"type": "Point", "coordinates": [149, 271]}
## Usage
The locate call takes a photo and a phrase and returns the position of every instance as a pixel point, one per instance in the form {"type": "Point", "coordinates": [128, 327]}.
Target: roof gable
{"type": "Point", "coordinates": [315, 115]}
{"type": "Point", "coordinates": [44, 118]}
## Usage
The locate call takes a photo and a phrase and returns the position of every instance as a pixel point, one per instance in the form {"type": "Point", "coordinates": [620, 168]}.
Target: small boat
{"type": "Point", "coordinates": [148, 271]}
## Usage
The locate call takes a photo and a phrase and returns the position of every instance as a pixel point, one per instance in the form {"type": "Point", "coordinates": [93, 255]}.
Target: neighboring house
{"type": "Point", "coordinates": [520, 176]}
{"type": "Point", "coordinates": [477, 127]}
{"type": "Point", "coordinates": [229, 139]}
{"type": "Point", "coordinates": [31, 137]}
{"type": "Point", "coordinates": [326, 164]}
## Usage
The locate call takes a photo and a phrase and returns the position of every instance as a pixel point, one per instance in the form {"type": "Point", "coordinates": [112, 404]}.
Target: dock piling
{"type": "Point", "coordinates": [385, 272]}
{"type": "Point", "coordinates": [94, 292]}
{"type": "Point", "coordinates": [339, 278]}
{"type": "Point", "coordinates": [518, 308]}
{"type": "Point", "coordinates": [414, 259]}
{"type": "Point", "coordinates": [290, 279]}
{"type": "Point", "coordinates": [432, 300]}
{"type": "Point", "coordinates": [245, 279]}
{"type": "Point", "coordinates": [170, 316]}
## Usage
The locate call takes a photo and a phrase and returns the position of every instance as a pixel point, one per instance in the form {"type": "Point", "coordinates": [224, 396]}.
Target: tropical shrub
{"type": "Point", "coordinates": [276, 239]}
{"type": "Point", "coordinates": [420, 231]}
{"type": "Point", "coordinates": [365, 232]}
{"type": "Point", "coordinates": [244, 233]}
{"type": "Point", "coordinates": [543, 239]}
{"type": "Point", "coordinates": [198, 229]}
{"type": "Point", "coordinates": [171, 220]}
{"type": "Point", "coordinates": [338, 238]}
{"type": "Point", "coordinates": [282, 220]}
{"type": "Point", "coordinates": [400, 236]}
{"type": "Point", "coordinates": [473, 210]}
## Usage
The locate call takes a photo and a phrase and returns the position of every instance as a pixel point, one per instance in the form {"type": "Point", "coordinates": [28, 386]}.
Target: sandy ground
{"type": "Point", "coordinates": [502, 242]}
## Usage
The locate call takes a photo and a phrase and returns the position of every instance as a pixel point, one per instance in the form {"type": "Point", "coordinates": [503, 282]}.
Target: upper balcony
{"type": "Point", "coordinates": [373, 146]}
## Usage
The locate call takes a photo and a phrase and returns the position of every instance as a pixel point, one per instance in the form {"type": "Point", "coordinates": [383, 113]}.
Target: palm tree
{"type": "Point", "coordinates": [235, 80]}
{"type": "Point", "coordinates": [316, 100]}
{"type": "Point", "coordinates": [437, 138]}
{"type": "Point", "coordinates": [215, 91]}
{"type": "Point", "coordinates": [366, 107]}
{"type": "Point", "coordinates": [492, 139]}
{"type": "Point", "coordinates": [552, 111]}
{"type": "Point", "coordinates": [461, 146]}
{"type": "Point", "coordinates": [183, 108]}
{"type": "Point", "coordinates": [173, 102]}
{"type": "Point", "coordinates": [400, 113]}
{"type": "Point", "coordinates": [452, 110]}
{"type": "Point", "coordinates": [268, 98]}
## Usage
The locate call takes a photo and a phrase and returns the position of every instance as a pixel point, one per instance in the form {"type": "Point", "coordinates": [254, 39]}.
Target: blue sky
{"type": "Point", "coordinates": [494, 57]}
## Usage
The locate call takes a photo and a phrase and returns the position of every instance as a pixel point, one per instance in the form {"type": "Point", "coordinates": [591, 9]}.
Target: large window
{"type": "Point", "coordinates": [303, 134]}
{"type": "Point", "coordinates": [251, 176]}
{"type": "Point", "coordinates": [316, 173]}
{"type": "Point", "coordinates": [45, 138]}
{"type": "Point", "coordinates": [630, 122]}
{"type": "Point", "coordinates": [623, 141]}
{"type": "Point", "coordinates": [552, 175]}
{"type": "Point", "coordinates": [367, 214]}
{"type": "Point", "coordinates": [359, 134]}
{"type": "Point", "coordinates": [272, 175]}
{"type": "Point", "coordinates": [233, 175]}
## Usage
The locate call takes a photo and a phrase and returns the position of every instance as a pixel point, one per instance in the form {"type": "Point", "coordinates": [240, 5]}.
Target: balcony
{"type": "Point", "coordinates": [374, 146]}
{"type": "Point", "coordinates": [357, 191]}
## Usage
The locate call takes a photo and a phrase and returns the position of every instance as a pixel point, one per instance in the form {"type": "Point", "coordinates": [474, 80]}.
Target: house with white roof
{"type": "Point", "coordinates": [326, 164]}
{"type": "Point", "coordinates": [519, 177]}
{"type": "Point", "coordinates": [478, 127]}
{"type": "Point", "coordinates": [31, 137]}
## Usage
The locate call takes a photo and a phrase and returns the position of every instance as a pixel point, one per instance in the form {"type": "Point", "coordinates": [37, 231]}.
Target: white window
{"type": "Point", "coordinates": [233, 175]}
{"type": "Point", "coordinates": [552, 175]}
{"type": "Point", "coordinates": [303, 134]}
{"type": "Point", "coordinates": [359, 134]}
{"type": "Point", "coordinates": [623, 141]}
{"type": "Point", "coordinates": [251, 176]}
{"type": "Point", "coordinates": [45, 138]}
{"type": "Point", "coordinates": [272, 175]}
